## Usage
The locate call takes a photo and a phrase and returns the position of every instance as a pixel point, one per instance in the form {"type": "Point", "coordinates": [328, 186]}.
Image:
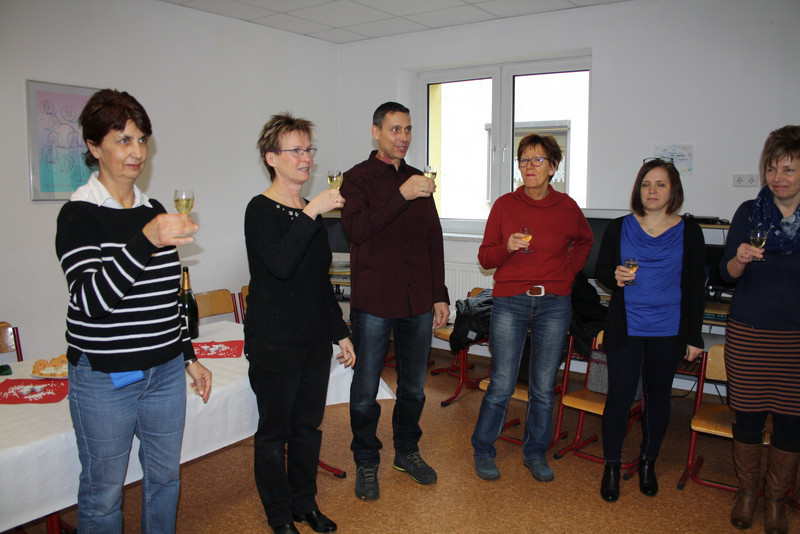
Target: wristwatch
{"type": "Point", "coordinates": [187, 363]}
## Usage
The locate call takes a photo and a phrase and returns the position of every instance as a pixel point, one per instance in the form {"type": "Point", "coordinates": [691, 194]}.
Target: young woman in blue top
{"type": "Point", "coordinates": [653, 322]}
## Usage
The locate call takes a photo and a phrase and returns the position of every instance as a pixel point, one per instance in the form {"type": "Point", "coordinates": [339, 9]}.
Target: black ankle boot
{"type": "Point", "coordinates": [648, 484]}
{"type": "Point", "coordinates": [609, 487]}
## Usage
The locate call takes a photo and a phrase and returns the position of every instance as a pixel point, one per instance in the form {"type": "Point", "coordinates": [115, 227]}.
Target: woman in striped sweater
{"type": "Point", "coordinates": [127, 341]}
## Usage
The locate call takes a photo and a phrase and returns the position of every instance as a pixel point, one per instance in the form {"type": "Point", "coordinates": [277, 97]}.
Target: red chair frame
{"type": "Point", "coordinates": [578, 443]}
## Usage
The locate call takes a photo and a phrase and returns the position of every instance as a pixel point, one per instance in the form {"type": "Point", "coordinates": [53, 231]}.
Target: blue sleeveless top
{"type": "Point", "coordinates": [653, 304]}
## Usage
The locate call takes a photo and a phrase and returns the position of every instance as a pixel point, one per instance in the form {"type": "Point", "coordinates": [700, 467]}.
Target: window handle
{"type": "Point", "coordinates": [492, 152]}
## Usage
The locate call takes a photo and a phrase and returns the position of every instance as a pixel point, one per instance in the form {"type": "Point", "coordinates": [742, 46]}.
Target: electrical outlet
{"type": "Point", "coordinates": [745, 180]}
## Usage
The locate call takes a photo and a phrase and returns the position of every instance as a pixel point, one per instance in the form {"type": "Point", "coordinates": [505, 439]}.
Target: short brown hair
{"type": "Point", "coordinates": [275, 128]}
{"type": "Point", "coordinates": [106, 110]}
{"type": "Point", "coordinates": [547, 142]}
{"type": "Point", "coordinates": [675, 186]}
{"type": "Point", "coordinates": [386, 108]}
{"type": "Point", "coordinates": [781, 143]}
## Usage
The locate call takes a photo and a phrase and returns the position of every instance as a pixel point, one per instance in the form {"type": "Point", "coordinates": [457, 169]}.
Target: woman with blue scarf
{"type": "Point", "coordinates": [762, 345]}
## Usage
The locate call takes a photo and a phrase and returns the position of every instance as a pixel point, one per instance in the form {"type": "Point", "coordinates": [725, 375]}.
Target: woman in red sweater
{"type": "Point", "coordinates": [533, 282]}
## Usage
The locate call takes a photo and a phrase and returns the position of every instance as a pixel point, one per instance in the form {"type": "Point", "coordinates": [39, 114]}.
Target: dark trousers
{"type": "Point", "coordinates": [653, 360]}
{"type": "Point", "coordinates": [290, 411]}
{"type": "Point", "coordinates": [749, 428]}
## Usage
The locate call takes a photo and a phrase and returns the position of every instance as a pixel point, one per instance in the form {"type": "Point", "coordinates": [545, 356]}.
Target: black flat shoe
{"type": "Point", "coordinates": [288, 528]}
{"type": "Point", "coordinates": [648, 483]}
{"type": "Point", "coordinates": [609, 487]}
{"type": "Point", "coordinates": [317, 521]}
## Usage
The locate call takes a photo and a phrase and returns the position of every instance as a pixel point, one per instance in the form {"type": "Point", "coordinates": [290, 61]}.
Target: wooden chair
{"type": "Point", "coordinates": [243, 300]}
{"type": "Point", "coordinates": [216, 302]}
{"type": "Point", "coordinates": [9, 340]}
{"type": "Point", "coordinates": [587, 401]}
{"type": "Point", "coordinates": [715, 419]}
{"type": "Point", "coordinates": [460, 366]}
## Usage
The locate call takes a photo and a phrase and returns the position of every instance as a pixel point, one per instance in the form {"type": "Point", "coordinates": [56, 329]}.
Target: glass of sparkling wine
{"type": "Point", "coordinates": [526, 231]}
{"type": "Point", "coordinates": [429, 171]}
{"type": "Point", "coordinates": [184, 200]}
{"type": "Point", "coordinates": [632, 264]}
{"type": "Point", "coordinates": [334, 179]}
{"type": "Point", "coordinates": [758, 238]}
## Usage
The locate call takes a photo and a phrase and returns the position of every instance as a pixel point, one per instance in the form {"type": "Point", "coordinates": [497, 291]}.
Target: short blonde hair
{"type": "Point", "coordinates": [781, 143]}
{"type": "Point", "coordinates": [275, 128]}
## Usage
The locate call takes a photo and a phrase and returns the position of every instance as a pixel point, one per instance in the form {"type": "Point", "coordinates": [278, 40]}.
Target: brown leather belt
{"type": "Point", "coordinates": [536, 291]}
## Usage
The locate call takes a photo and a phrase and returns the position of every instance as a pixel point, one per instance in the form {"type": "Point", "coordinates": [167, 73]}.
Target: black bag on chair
{"type": "Point", "coordinates": [472, 320]}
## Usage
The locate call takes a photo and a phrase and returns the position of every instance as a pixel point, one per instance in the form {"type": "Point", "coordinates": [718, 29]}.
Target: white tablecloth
{"type": "Point", "coordinates": [39, 464]}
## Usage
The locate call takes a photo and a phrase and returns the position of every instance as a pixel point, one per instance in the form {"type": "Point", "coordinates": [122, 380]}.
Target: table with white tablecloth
{"type": "Point", "coordinates": [39, 464]}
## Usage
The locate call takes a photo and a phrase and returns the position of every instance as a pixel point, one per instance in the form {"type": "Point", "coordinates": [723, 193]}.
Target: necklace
{"type": "Point", "coordinates": [651, 229]}
{"type": "Point", "coordinates": [294, 205]}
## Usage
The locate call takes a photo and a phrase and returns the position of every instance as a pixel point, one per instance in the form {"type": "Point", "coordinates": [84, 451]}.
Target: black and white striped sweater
{"type": "Point", "coordinates": [123, 308]}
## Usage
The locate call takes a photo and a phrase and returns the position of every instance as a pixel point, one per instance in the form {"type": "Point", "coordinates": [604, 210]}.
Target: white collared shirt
{"type": "Point", "coordinates": [96, 193]}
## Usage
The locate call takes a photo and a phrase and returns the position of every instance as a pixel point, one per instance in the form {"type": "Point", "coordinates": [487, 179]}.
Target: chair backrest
{"type": "Point", "coordinates": [715, 366]}
{"type": "Point", "coordinates": [216, 302]}
{"type": "Point", "coordinates": [475, 291]}
{"type": "Point", "coordinates": [9, 340]}
{"type": "Point", "coordinates": [243, 297]}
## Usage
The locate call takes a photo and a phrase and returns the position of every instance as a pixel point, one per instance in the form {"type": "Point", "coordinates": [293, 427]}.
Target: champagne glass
{"type": "Point", "coordinates": [429, 171]}
{"type": "Point", "coordinates": [184, 200]}
{"type": "Point", "coordinates": [632, 264]}
{"type": "Point", "coordinates": [526, 231]}
{"type": "Point", "coordinates": [758, 238]}
{"type": "Point", "coordinates": [334, 179]}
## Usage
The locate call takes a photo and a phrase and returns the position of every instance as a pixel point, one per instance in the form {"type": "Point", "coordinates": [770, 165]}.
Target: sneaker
{"type": "Point", "coordinates": [414, 465]}
{"type": "Point", "coordinates": [367, 482]}
{"type": "Point", "coordinates": [539, 469]}
{"type": "Point", "coordinates": [486, 468]}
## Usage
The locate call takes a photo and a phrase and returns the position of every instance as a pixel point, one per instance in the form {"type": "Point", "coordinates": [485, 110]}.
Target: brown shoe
{"type": "Point", "coordinates": [781, 468]}
{"type": "Point", "coordinates": [747, 461]}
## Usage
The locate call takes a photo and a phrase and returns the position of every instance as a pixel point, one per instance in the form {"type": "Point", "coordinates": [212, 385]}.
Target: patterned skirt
{"type": "Point", "coordinates": [763, 368]}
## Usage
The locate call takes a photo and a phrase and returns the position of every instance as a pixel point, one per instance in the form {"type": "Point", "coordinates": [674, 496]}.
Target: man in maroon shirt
{"type": "Point", "coordinates": [397, 276]}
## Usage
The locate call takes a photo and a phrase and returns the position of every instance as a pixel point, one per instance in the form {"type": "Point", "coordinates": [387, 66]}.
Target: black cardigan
{"type": "Point", "coordinates": [692, 287]}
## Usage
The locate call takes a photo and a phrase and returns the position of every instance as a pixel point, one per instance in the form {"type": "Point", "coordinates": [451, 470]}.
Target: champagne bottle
{"type": "Point", "coordinates": [189, 305]}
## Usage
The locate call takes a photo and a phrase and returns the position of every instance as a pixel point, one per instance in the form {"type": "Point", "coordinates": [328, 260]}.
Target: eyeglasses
{"type": "Point", "coordinates": [661, 159]}
{"type": "Point", "coordinates": [536, 161]}
{"type": "Point", "coordinates": [298, 152]}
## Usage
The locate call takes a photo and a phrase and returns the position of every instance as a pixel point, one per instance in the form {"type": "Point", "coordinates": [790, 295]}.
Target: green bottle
{"type": "Point", "coordinates": [189, 305]}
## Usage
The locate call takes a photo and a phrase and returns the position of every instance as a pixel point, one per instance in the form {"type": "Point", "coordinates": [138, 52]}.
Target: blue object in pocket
{"type": "Point", "coordinates": [126, 378]}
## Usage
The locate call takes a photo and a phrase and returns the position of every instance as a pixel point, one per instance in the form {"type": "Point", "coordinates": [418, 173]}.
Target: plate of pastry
{"type": "Point", "coordinates": [55, 368]}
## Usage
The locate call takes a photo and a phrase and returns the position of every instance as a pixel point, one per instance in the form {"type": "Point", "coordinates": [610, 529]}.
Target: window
{"type": "Point", "coordinates": [475, 119]}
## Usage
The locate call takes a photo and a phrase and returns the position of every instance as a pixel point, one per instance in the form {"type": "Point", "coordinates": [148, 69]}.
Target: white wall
{"type": "Point", "coordinates": [718, 74]}
{"type": "Point", "coordinates": [208, 83]}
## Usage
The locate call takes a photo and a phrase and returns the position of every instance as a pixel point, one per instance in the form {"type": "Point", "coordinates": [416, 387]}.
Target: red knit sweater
{"type": "Point", "coordinates": [561, 242]}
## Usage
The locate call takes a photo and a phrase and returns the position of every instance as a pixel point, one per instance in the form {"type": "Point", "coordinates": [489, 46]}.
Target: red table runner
{"type": "Point", "coordinates": [219, 349]}
{"type": "Point", "coordinates": [24, 391]}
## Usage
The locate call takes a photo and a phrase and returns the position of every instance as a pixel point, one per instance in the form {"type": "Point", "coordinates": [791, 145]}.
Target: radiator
{"type": "Point", "coordinates": [460, 278]}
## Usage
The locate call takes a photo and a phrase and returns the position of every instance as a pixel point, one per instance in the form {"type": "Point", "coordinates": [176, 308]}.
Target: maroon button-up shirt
{"type": "Point", "coordinates": [396, 248]}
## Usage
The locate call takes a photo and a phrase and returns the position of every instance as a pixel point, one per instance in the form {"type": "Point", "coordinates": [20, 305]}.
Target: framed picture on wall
{"type": "Point", "coordinates": [55, 140]}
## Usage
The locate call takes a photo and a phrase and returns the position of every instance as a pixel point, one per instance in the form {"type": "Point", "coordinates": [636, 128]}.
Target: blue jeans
{"type": "Point", "coordinates": [654, 360]}
{"type": "Point", "coordinates": [412, 342]}
{"type": "Point", "coordinates": [105, 420]}
{"type": "Point", "coordinates": [548, 319]}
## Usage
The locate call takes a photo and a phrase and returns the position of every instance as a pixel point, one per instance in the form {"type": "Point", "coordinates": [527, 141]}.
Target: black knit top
{"type": "Point", "coordinates": [291, 301]}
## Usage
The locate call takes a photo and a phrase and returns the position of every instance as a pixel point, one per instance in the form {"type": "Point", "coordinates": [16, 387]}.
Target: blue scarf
{"type": "Point", "coordinates": [783, 233]}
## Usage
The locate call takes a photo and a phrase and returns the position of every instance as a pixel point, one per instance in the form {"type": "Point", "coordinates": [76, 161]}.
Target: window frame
{"type": "Point", "coordinates": [502, 148]}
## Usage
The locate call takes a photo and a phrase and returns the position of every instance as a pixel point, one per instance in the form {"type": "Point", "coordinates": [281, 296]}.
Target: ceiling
{"type": "Point", "coordinates": [344, 21]}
